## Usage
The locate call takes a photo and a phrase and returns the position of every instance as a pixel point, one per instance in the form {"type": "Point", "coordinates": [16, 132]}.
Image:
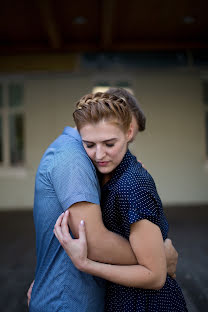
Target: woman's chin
{"type": "Point", "coordinates": [104, 170]}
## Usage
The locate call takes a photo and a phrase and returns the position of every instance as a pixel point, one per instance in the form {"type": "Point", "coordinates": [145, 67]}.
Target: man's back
{"type": "Point", "coordinates": [65, 176]}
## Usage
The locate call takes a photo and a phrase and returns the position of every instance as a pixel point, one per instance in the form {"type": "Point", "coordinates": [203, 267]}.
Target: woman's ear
{"type": "Point", "coordinates": [130, 133]}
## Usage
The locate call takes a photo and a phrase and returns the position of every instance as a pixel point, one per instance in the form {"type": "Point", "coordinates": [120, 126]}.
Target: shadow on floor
{"type": "Point", "coordinates": [188, 230]}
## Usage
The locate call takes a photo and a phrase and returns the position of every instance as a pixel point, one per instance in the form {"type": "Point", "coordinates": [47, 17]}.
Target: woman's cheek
{"type": "Point", "coordinates": [90, 154]}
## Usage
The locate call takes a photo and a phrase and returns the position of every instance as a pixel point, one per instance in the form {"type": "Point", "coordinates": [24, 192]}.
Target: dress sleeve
{"type": "Point", "coordinates": [143, 205]}
{"type": "Point", "coordinates": [140, 199]}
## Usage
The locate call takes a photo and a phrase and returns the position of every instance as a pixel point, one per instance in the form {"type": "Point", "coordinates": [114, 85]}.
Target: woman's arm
{"type": "Point", "coordinates": [147, 244]}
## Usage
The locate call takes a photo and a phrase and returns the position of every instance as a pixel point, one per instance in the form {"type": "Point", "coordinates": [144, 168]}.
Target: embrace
{"type": "Point", "coordinates": [109, 249]}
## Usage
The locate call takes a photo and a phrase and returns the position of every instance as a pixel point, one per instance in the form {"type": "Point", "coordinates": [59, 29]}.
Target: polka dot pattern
{"type": "Point", "coordinates": [128, 197]}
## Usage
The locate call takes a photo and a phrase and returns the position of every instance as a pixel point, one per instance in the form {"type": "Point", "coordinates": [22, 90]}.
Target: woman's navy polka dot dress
{"type": "Point", "coordinates": [128, 197]}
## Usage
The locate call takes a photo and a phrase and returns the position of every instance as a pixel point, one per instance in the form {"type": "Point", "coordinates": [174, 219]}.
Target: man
{"type": "Point", "coordinates": [66, 178]}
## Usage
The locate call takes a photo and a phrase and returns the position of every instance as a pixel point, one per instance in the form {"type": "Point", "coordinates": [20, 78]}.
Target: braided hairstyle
{"type": "Point", "coordinates": [133, 103]}
{"type": "Point", "coordinates": [93, 108]}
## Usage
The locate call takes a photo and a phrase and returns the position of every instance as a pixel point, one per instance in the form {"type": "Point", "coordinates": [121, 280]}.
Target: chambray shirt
{"type": "Point", "coordinates": [65, 176]}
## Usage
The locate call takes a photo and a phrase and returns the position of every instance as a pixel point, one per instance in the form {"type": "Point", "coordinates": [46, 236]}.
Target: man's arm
{"type": "Point", "coordinates": [171, 257]}
{"type": "Point", "coordinates": [103, 245]}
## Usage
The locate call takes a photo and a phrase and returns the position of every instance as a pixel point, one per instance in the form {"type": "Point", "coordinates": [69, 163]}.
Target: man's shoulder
{"type": "Point", "coordinates": [65, 150]}
{"type": "Point", "coordinates": [68, 152]}
{"type": "Point", "coordinates": [65, 146]}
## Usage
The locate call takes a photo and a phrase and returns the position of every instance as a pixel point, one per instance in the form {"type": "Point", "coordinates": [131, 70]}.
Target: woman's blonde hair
{"type": "Point", "coordinates": [93, 108]}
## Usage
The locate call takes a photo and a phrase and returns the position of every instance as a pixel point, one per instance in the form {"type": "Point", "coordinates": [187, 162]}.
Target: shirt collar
{"type": "Point", "coordinates": [72, 132]}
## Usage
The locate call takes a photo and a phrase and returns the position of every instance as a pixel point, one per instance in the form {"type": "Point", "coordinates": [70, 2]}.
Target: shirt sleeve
{"type": "Point", "coordinates": [74, 179]}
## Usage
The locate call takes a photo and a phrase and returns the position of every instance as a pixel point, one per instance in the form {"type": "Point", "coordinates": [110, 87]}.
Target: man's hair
{"type": "Point", "coordinates": [133, 104]}
{"type": "Point", "coordinates": [93, 108]}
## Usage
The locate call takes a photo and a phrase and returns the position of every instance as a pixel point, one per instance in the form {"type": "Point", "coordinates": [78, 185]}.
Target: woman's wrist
{"type": "Point", "coordinates": [85, 265]}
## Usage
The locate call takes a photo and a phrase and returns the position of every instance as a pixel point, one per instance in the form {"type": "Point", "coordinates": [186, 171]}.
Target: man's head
{"type": "Point", "coordinates": [138, 117]}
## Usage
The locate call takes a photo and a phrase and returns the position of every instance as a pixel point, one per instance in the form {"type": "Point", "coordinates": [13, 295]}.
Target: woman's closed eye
{"type": "Point", "coordinates": [89, 145]}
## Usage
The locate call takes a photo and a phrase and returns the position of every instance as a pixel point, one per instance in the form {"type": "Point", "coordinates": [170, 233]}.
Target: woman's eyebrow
{"type": "Point", "coordinates": [109, 140]}
{"type": "Point", "coordinates": [87, 142]}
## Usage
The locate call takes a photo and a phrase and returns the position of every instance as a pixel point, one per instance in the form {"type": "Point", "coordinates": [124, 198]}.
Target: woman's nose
{"type": "Point", "coordinates": [100, 153]}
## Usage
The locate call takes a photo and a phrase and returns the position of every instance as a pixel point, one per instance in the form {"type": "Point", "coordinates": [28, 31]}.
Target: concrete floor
{"type": "Point", "coordinates": [188, 230]}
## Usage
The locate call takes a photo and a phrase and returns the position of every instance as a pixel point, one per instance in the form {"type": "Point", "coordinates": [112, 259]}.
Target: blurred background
{"type": "Point", "coordinates": [52, 53]}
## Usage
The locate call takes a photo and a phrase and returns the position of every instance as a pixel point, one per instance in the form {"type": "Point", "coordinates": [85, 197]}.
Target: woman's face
{"type": "Point", "coordinates": [105, 144]}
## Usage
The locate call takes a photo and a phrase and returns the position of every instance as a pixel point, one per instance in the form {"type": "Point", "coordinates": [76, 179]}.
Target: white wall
{"type": "Point", "coordinates": [172, 147]}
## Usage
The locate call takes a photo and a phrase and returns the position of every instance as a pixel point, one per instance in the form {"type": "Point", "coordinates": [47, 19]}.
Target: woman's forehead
{"type": "Point", "coordinates": [101, 131]}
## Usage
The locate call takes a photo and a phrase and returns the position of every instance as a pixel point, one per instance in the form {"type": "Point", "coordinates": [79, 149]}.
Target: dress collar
{"type": "Point", "coordinates": [120, 169]}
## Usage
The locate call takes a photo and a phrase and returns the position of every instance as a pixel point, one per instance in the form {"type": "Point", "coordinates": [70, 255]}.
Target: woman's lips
{"type": "Point", "coordinates": [102, 163]}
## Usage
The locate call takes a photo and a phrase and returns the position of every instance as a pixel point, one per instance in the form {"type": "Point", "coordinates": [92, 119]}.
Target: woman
{"type": "Point", "coordinates": [131, 207]}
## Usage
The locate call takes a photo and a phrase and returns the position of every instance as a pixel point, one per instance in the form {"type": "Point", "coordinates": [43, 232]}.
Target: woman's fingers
{"type": "Point", "coordinates": [71, 246]}
{"type": "Point", "coordinates": [59, 220]}
{"type": "Point", "coordinates": [64, 223]}
{"type": "Point", "coordinates": [29, 292]}
{"type": "Point", "coordinates": [57, 228]}
{"type": "Point", "coordinates": [65, 229]}
{"type": "Point", "coordinates": [75, 248]}
{"type": "Point", "coordinates": [61, 229]}
{"type": "Point", "coordinates": [82, 233]}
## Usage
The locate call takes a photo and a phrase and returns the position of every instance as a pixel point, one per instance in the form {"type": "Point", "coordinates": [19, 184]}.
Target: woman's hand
{"type": "Point", "coordinates": [76, 249]}
{"type": "Point", "coordinates": [29, 292]}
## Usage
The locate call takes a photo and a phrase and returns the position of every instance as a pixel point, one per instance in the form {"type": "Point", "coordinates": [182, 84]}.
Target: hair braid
{"type": "Point", "coordinates": [133, 104]}
{"type": "Point", "coordinates": [93, 108]}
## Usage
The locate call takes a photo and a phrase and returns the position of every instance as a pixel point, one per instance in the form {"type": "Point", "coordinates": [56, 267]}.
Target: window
{"type": "Point", "coordinates": [12, 143]}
